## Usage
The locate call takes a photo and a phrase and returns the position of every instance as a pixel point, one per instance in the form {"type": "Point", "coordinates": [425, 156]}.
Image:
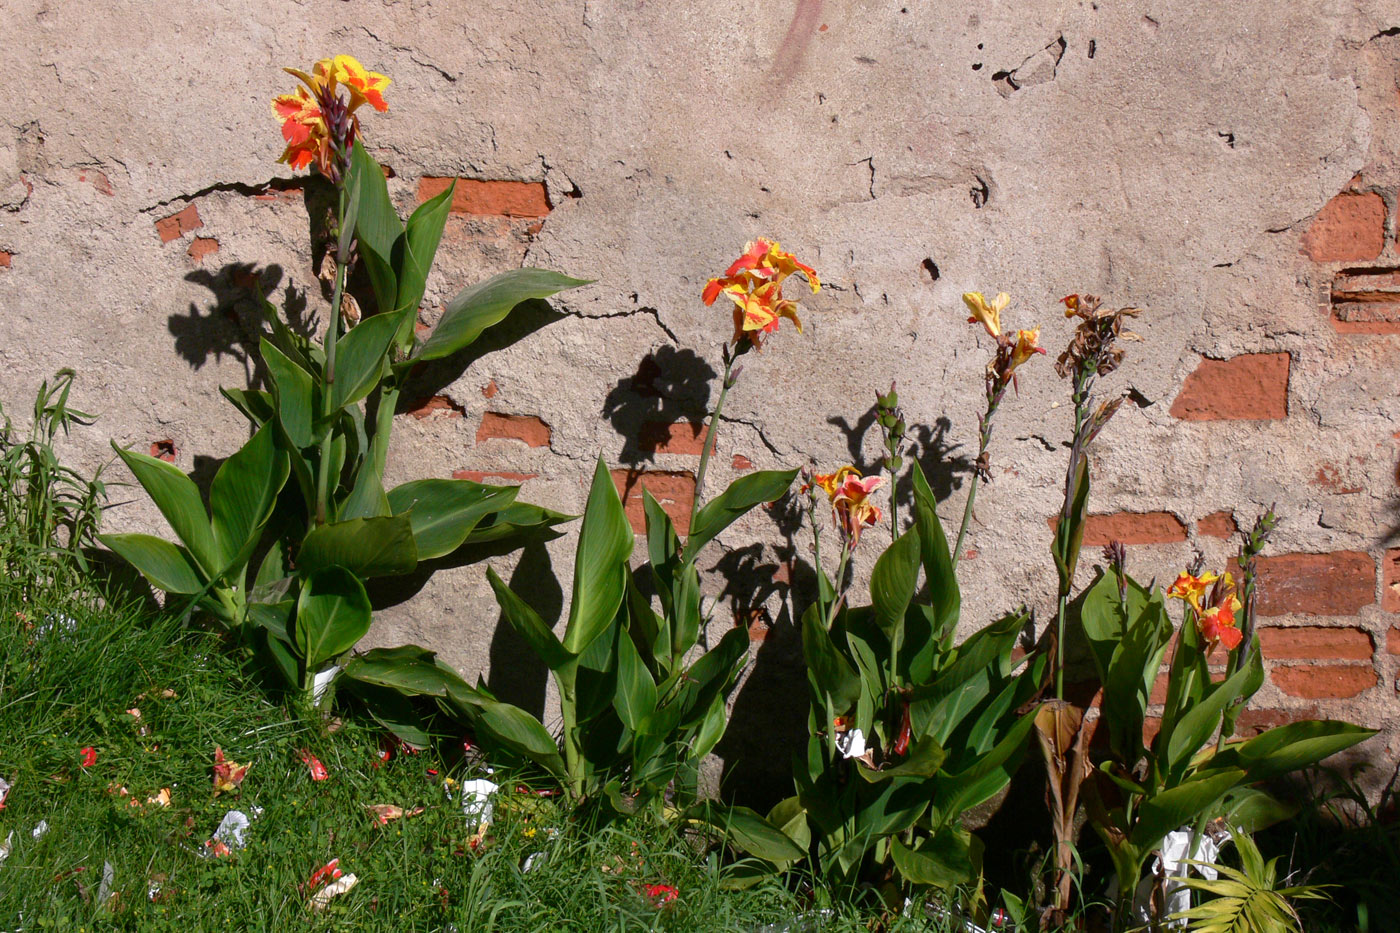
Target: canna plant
{"type": "Point", "coordinates": [1191, 772]}
{"type": "Point", "coordinates": [643, 700]}
{"type": "Point", "coordinates": [298, 519]}
{"type": "Point", "coordinates": [909, 728]}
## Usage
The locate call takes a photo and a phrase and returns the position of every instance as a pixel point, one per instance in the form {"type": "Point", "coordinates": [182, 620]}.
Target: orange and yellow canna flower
{"type": "Point", "coordinates": [364, 86]}
{"type": "Point", "coordinates": [1026, 345]}
{"type": "Point", "coordinates": [988, 314]}
{"type": "Point", "coordinates": [303, 128]}
{"type": "Point", "coordinates": [1190, 588]}
{"type": "Point", "coordinates": [851, 507]}
{"type": "Point", "coordinates": [303, 114]}
{"type": "Point", "coordinates": [754, 283]}
{"type": "Point", "coordinates": [1218, 624]}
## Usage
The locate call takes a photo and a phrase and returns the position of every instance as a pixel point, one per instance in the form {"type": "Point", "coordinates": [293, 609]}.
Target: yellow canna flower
{"type": "Point", "coordinates": [364, 86]}
{"type": "Point", "coordinates": [831, 482]}
{"type": "Point", "coordinates": [851, 507]}
{"type": "Point", "coordinates": [1191, 588]}
{"type": "Point", "coordinates": [1026, 345]}
{"type": "Point", "coordinates": [988, 315]}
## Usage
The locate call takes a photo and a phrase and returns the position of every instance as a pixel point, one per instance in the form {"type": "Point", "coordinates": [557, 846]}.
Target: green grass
{"type": "Point", "coordinates": [62, 691]}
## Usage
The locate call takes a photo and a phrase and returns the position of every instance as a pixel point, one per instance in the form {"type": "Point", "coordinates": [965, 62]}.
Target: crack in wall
{"type": "Point", "coordinates": [230, 187]}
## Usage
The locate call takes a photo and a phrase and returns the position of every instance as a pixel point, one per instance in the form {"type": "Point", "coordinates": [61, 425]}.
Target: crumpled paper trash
{"type": "Point", "coordinates": [476, 801]}
{"type": "Point", "coordinates": [851, 743]}
{"type": "Point", "coordinates": [1168, 863]}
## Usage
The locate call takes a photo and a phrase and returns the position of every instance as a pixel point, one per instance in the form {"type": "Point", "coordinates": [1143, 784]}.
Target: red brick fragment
{"type": "Point", "coordinates": [674, 490]}
{"type": "Point", "coordinates": [99, 181]}
{"type": "Point", "coordinates": [742, 463]}
{"type": "Point", "coordinates": [1324, 681]}
{"type": "Point", "coordinates": [1335, 584]}
{"type": "Point", "coordinates": [527, 428]}
{"type": "Point", "coordinates": [1329, 478]}
{"type": "Point", "coordinates": [1350, 227]}
{"type": "Point", "coordinates": [164, 450]}
{"type": "Point", "coordinates": [5, 259]}
{"type": "Point", "coordinates": [1365, 301]}
{"type": "Point", "coordinates": [433, 404]}
{"type": "Point", "coordinates": [1390, 580]}
{"type": "Point", "coordinates": [1251, 721]}
{"type": "Point", "coordinates": [1217, 525]}
{"type": "Point", "coordinates": [202, 246]}
{"type": "Point", "coordinates": [1130, 528]}
{"type": "Point", "coordinates": [1316, 643]}
{"type": "Point", "coordinates": [489, 390]}
{"type": "Point", "coordinates": [178, 224]}
{"type": "Point", "coordinates": [677, 437]}
{"type": "Point", "coordinates": [1392, 640]}
{"type": "Point", "coordinates": [483, 476]}
{"type": "Point", "coordinates": [497, 198]}
{"type": "Point", "coordinates": [1249, 387]}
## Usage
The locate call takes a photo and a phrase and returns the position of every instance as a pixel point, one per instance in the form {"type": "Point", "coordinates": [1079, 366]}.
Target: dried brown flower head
{"type": "Point", "coordinates": [1092, 344]}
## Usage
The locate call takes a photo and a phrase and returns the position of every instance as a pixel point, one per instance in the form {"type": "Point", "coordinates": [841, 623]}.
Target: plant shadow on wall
{"type": "Point", "coordinates": [232, 325]}
{"type": "Point", "coordinates": [670, 387]}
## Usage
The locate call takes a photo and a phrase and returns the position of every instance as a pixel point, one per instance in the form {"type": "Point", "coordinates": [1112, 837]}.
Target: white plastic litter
{"type": "Point", "coordinates": [104, 890]}
{"type": "Point", "coordinates": [40, 829]}
{"type": "Point", "coordinates": [233, 829]}
{"type": "Point", "coordinates": [336, 888]}
{"type": "Point", "coordinates": [322, 683]}
{"type": "Point", "coordinates": [851, 743]}
{"type": "Point", "coordinates": [1168, 863]}
{"type": "Point", "coordinates": [476, 801]}
{"type": "Point", "coordinates": [59, 623]}
{"type": "Point", "coordinates": [7, 846]}
{"type": "Point", "coordinates": [531, 860]}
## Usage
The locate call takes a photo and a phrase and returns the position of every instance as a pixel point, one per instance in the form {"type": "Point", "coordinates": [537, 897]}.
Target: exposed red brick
{"type": "Point", "coordinates": [674, 490]}
{"type": "Point", "coordinates": [499, 198]}
{"type": "Point", "coordinates": [489, 390]}
{"type": "Point", "coordinates": [1159, 689]}
{"type": "Point", "coordinates": [178, 224]}
{"type": "Point", "coordinates": [677, 437]}
{"type": "Point", "coordinates": [278, 194]}
{"type": "Point", "coordinates": [1390, 580]}
{"type": "Point", "coordinates": [742, 463]}
{"type": "Point", "coordinates": [1349, 227]}
{"type": "Point", "coordinates": [1151, 725]}
{"type": "Point", "coordinates": [483, 476]}
{"type": "Point", "coordinates": [99, 181]}
{"type": "Point", "coordinates": [1335, 584]}
{"type": "Point", "coordinates": [164, 450]}
{"type": "Point", "coordinates": [1251, 722]}
{"type": "Point", "coordinates": [1217, 525]}
{"type": "Point", "coordinates": [1392, 640]}
{"type": "Point", "coordinates": [426, 407]}
{"type": "Point", "coordinates": [527, 428]}
{"type": "Point", "coordinates": [1130, 528]}
{"type": "Point", "coordinates": [1323, 681]}
{"type": "Point", "coordinates": [971, 554]}
{"type": "Point", "coordinates": [1315, 643]}
{"type": "Point", "coordinates": [1329, 478]}
{"type": "Point", "coordinates": [1365, 301]}
{"type": "Point", "coordinates": [1249, 387]}
{"type": "Point", "coordinates": [755, 620]}
{"type": "Point", "coordinates": [244, 277]}
{"type": "Point", "coordinates": [534, 228]}
{"type": "Point", "coordinates": [202, 246]}
{"type": "Point", "coordinates": [5, 259]}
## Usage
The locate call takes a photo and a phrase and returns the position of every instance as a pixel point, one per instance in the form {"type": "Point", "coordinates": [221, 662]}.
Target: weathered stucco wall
{"type": "Point", "coordinates": [1230, 168]}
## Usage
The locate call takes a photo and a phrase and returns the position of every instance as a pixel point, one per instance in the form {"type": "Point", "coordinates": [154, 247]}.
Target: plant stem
{"type": "Point", "coordinates": [966, 517]}
{"type": "Point", "coordinates": [1083, 379]}
{"type": "Point", "coordinates": [323, 465]}
{"type": "Point", "coordinates": [1060, 646]}
{"type": "Point", "coordinates": [839, 594]}
{"type": "Point", "coordinates": [710, 438]}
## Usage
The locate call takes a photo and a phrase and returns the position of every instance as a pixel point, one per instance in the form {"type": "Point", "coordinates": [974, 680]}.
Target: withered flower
{"type": "Point", "coordinates": [1092, 346]}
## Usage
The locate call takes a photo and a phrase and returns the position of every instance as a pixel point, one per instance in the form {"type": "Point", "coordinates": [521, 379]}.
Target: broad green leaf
{"type": "Point", "coordinates": [528, 624]}
{"type": "Point", "coordinates": [1179, 806]}
{"type": "Point", "coordinates": [751, 832]}
{"type": "Point", "coordinates": [396, 712]}
{"type": "Point", "coordinates": [712, 729]}
{"type": "Point", "coordinates": [242, 496]}
{"type": "Point", "coordinates": [604, 546]}
{"type": "Point", "coordinates": [255, 404]}
{"type": "Point", "coordinates": [892, 585]}
{"type": "Point", "coordinates": [361, 356]}
{"type": "Point", "coordinates": [1069, 533]}
{"type": "Point", "coordinates": [663, 548]}
{"type": "Point", "coordinates": [924, 759]}
{"type": "Point", "coordinates": [1288, 748]}
{"type": "Point", "coordinates": [958, 793]}
{"type": "Point", "coordinates": [353, 180]}
{"type": "Point", "coordinates": [1199, 723]}
{"type": "Point", "coordinates": [366, 498]}
{"type": "Point", "coordinates": [169, 567]}
{"type": "Point", "coordinates": [636, 691]}
{"type": "Point", "coordinates": [333, 613]}
{"type": "Point", "coordinates": [443, 512]}
{"type": "Point", "coordinates": [938, 562]}
{"type": "Point", "coordinates": [519, 518]}
{"type": "Point", "coordinates": [377, 227]}
{"type": "Point", "coordinates": [368, 547]}
{"type": "Point", "coordinates": [292, 389]}
{"type": "Point", "coordinates": [177, 497]}
{"type": "Point", "coordinates": [480, 306]}
{"type": "Point", "coordinates": [1253, 810]}
{"type": "Point", "coordinates": [420, 246]}
{"type": "Point", "coordinates": [942, 859]}
{"type": "Point", "coordinates": [791, 817]}
{"type": "Point", "coordinates": [724, 509]}
{"type": "Point", "coordinates": [283, 659]}
{"type": "Point", "coordinates": [826, 668]}
{"type": "Point", "coordinates": [713, 673]}
{"type": "Point", "coordinates": [522, 733]}
{"type": "Point", "coordinates": [407, 669]}
{"type": "Point", "coordinates": [275, 617]}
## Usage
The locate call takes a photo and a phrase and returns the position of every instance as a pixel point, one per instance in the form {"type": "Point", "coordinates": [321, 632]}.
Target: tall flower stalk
{"type": "Point", "coordinates": [319, 126]}
{"type": "Point", "coordinates": [1012, 350]}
